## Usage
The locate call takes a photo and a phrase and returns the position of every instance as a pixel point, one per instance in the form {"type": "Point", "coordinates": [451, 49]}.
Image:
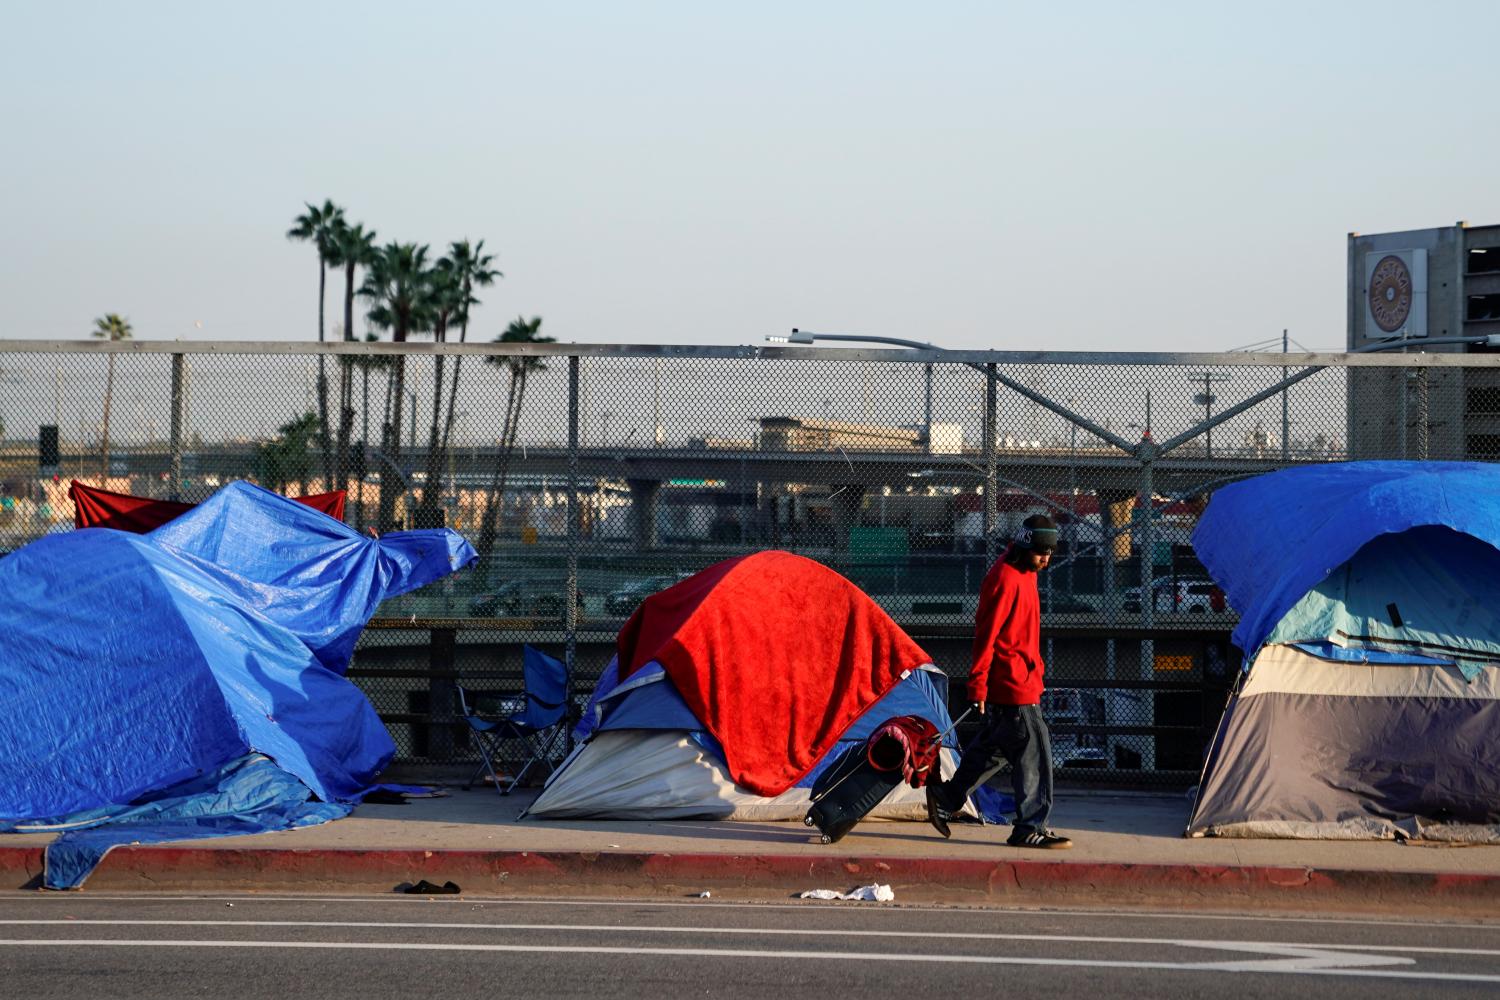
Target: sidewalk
{"type": "Point", "coordinates": [1129, 851]}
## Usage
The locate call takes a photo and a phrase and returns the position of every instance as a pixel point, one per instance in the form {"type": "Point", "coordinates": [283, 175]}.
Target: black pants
{"type": "Point", "coordinates": [1015, 735]}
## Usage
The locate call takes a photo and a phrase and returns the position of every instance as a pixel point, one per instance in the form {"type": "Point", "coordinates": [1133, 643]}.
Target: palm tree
{"type": "Point", "coordinates": [366, 363]}
{"type": "Point", "coordinates": [110, 326]}
{"type": "Point", "coordinates": [287, 458]}
{"type": "Point", "coordinates": [353, 247]}
{"type": "Point", "coordinates": [520, 331]}
{"type": "Point", "coordinates": [472, 267]}
{"type": "Point", "coordinates": [396, 282]}
{"type": "Point", "coordinates": [320, 226]}
{"type": "Point", "coordinates": [444, 300]}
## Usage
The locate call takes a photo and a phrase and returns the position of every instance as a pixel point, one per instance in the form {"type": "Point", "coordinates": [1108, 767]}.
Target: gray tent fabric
{"type": "Point", "coordinates": [1319, 748]}
{"type": "Point", "coordinates": [647, 774]}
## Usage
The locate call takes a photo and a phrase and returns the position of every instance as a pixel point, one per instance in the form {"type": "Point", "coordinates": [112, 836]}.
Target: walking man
{"type": "Point", "coordinates": [1005, 686]}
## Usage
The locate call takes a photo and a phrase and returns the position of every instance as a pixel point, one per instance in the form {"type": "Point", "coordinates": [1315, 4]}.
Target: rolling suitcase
{"type": "Point", "coordinates": [845, 793]}
{"type": "Point", "coordinates": [903, 748]}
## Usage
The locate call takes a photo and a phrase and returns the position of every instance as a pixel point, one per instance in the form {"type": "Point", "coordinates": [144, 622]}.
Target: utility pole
{"type": "Point", "coordinates": [1206, 400]}
{"type": "Point", "coordinates": [1286, 424]}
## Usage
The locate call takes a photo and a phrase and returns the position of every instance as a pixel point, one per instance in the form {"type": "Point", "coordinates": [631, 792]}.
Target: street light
{"type": "Point", "coordinates": [806, 337]}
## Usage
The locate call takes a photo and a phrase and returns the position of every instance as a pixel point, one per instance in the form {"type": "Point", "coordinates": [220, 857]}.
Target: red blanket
{"type": "Point", "coordinates": [775, 654]}
{"type": "Point", "coordinates": [95, 508]}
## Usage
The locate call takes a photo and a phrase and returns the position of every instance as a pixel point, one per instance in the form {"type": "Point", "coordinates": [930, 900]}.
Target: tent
{"type": "Point", "coordinates": [732, 690]}
{"type": "Point", "coordinates": [132, 666]}
{"type": "Point", "coordinates": [96, 508]}
{"type": "Point", "coordinates": [1370, 701]}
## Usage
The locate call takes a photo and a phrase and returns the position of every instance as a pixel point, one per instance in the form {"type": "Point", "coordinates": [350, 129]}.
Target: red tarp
{"type": "Point", "coordinates": [775, 654]}
{"type": "Point", "coordinates": [95, 508]}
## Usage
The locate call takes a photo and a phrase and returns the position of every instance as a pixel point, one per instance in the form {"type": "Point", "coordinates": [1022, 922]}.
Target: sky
{"type": "Point", "coordinates": [1089, 176]}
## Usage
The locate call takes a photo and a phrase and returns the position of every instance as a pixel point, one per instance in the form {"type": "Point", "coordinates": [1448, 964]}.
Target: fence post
{"type": "Point", "coordinates": [442, 654]}
{"type": "Point", "coordinates": [174, 434]}
{"type": "Point", "coordinates": [991, 482]}
{"type": "Point", "coordinates": [574, 516]}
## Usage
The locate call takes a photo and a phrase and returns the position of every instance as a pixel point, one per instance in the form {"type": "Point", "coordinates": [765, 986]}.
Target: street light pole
{"type": "Point", "coordinates": [988, 370]}
{"type": "Point", "coordinates": [804, 337]}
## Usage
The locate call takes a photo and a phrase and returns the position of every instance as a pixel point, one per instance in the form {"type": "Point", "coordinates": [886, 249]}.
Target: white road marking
{"type": "Point", "coordinates": [1303, 962]}
{"type": "Point", "coordinates": [958, 908]}
{"type": "Point", "coordinates": [1263, 946]}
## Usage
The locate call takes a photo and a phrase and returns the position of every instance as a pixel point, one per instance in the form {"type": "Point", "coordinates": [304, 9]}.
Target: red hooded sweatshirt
{"type": "Point", "coordinates": [1007, 666]}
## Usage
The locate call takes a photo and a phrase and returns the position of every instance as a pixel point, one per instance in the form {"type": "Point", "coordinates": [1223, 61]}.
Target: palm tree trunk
{"type": "Point", "coordinates": [391, 480]}
{"type": "Point", "coordinates": [494, 498]}
{"type": "Point", "coordinates": [458, 361]}
{"type": "Point", "coordinates": [323, 438]}
{"type": "Point", "coordinates": [346, 390]}
{"type": "Point", "coordinates": [433, 485]}
{"type": "Point", "coordinates": [364, 441]}
{"type": "Point", "coordinates": [109, 392]}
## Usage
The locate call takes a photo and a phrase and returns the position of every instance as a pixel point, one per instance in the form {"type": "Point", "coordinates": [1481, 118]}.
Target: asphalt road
{"type": "Point", "coordinates": [243, 946]}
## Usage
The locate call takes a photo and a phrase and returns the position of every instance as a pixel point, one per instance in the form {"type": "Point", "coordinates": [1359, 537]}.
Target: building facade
{"type": "Point", "coordinates": [1424, 283]}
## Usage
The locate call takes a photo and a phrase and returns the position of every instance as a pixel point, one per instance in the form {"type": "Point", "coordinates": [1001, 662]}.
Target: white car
{"type": "Point", "coordinates": [1193, 596]}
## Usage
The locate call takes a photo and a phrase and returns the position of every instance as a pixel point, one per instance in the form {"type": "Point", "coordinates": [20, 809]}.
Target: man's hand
{"type": "Point", "coordinates": [977, 707]}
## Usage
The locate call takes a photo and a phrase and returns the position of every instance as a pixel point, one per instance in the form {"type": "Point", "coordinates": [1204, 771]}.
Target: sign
{"type": "Point", "coordinates": [1173, 664]}
{"type": "Point", "coordinates": [867, 544]}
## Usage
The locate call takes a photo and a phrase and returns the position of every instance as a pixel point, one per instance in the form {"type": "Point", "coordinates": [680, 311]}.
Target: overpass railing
{"type": "Point", "coordinates": [591, 475]}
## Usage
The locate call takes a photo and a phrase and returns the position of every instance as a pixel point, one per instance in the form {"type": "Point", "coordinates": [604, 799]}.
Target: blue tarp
{"type": "Point", "coordinates": [1271, 539]}
{"type": "Point", "coordinates": [248, 795]}
{"type": "Point", "coordinates": [1429, 589]}
{"type": "Point", "coordinates": [130, 664]}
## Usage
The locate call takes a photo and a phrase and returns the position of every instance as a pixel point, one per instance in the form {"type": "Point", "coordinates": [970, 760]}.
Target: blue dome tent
{"type": "Point", "coordinates": [1370, 702]}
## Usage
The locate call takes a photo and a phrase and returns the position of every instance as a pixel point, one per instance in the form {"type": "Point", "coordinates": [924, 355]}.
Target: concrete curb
{"type": "Point", "coordinates": [1040, 883]}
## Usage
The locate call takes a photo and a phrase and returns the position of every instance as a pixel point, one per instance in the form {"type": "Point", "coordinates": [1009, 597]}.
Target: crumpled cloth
{"type": "Point", "coordinates": [918, 739]}
{"type": "Point", "coordinates": [870, 893]}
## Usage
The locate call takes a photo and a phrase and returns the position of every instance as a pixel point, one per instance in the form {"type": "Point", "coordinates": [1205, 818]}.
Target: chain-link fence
{"type": "Point", "coordinates": [592, 476]}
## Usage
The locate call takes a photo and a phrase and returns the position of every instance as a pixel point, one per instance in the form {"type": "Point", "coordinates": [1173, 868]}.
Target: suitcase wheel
{"type": "Point", "coordinates": [808, 820]}
{"type": "Point", "coordinates": [826, 839]}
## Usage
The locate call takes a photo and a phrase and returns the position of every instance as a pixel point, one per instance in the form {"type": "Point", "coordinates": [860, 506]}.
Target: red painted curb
{"type": "Point", "coordinates": [1034, 883]}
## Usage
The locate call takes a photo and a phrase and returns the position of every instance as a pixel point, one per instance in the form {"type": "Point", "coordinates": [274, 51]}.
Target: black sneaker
{"type": "Point", "coordinates": [1043, 839]}
{"type": "Point", "coordinates": [936, 814]}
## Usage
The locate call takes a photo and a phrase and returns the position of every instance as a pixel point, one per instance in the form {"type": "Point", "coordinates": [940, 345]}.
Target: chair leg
{"type": "Point", "coordinates": [517, 780]}
{"type": "Point", "coordinates": [538, 750]}
{"type": "Point", "coordinates": [488, 765]}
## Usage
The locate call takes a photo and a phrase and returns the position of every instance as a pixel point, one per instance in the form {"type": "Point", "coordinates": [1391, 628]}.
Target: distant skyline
{"type": "Point", "coordinates": [1104, 177]}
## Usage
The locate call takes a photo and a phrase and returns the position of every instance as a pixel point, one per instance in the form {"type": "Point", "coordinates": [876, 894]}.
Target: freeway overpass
{"type": "Point", "coordinates": [1036, 469]}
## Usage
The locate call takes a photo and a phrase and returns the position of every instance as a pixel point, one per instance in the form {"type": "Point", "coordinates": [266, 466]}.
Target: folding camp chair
{"type": "Point", "coordinates": [541, 722]}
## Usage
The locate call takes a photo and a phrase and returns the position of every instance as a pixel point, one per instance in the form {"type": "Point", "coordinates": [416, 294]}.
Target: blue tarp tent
{"type": "Point", "coordinates": [1267, 541]}
{"type": "Point", "coordinates": [132, 664]}
{"type": "Point", "coordinates": [1370, 705]}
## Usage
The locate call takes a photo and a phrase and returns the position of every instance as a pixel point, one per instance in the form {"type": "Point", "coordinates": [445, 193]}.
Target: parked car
{"type": "Point", "coordinates": [625, 600]}
{"type": "Point", "coordinates": [1195, 596]}
{"type": "Point", "coordinates": [1066, 604]}
{"type": "Point", "coordinates": [544, 598]}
